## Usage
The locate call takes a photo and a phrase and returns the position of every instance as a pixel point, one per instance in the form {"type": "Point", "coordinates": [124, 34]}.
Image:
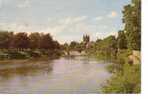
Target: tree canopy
{"type": "Point", "coordinates": [132, 21]}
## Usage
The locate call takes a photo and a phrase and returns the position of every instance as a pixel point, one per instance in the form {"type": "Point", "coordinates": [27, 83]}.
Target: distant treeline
{"type": "Point", "coordinates": [24, 46]}
{"type": "Point", "coordinates": [23, 40]}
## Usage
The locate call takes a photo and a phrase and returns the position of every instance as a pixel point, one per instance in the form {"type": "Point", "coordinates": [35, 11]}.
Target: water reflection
{"type": "Point", "coordinates": [64, 75]}
{"type": "Point", "coordinates": [24, 68]}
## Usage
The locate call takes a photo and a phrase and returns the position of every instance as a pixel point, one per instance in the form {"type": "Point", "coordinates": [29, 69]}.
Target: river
{"type": "Point", "coordinates": [77, 75]}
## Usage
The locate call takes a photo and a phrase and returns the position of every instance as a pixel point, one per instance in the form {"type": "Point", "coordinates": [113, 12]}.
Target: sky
{"type": "Point", "coordinates": [65, 20]}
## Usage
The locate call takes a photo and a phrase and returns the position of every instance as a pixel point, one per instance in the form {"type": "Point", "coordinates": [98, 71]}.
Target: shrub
{"type": "Point", "coordinates": [127, 81]}
{"type": "Point", "coordinates": [18, 55]}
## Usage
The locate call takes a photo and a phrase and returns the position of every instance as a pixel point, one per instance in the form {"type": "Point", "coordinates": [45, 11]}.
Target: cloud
{"type": "Point", "coordinates": [113, 33]}
{"type": "Point", "coordinates": [72, 20]}
{"type": "Point", "coordinates": [24, 4]}
{"type": "Point", "coordinates": [112, 14]}
{"type": "Point", "coordinates": [67, 24]}
{"type": "Point", "coordinates": [62, 29]}
{"type": "Point", "coordinates": [99, 18]}
{"type": "Point", "coordinates": [1, 3]}
{"type": "Point", "coordinates": [81, 18]}
{"type": "Point", "coordinates": [71, 28]}
{"type": "Point", "coordinates": [18, 27]}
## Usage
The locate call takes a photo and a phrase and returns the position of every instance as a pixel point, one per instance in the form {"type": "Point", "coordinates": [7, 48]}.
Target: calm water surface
{"type": "Point", "coordinates": [64, 75]}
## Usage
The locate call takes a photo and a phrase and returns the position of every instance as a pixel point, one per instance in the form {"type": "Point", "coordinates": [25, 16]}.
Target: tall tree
{"type": "Point", "coordinates": [132, 20]}
{"type": "Point", "coordinates": [86, 39]}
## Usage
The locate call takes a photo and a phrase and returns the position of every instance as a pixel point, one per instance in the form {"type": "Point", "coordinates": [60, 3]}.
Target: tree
{"type": "Point", "coordinates": [5, 39]}
{"type": "Point", "coordinates": [108, 47]}
{"type": "Point", "coordinates": [66, 48]}
{"type": "Point", "coordinates": [34, 40]}
{"type": "Point", "coordinates": [56, 45]}
{"type": "Point", "coordinates": [46, 42]}
{"type": "Point", "coordinates": [86, 39]}
{"type": "Point", "coordinates": [111, 42]}
{"type": "Point", "coordinates": [21, 41]}
{"type": "Point", "coordinates": [132, 21]}
{"type": "Point", "coordinates": [98, 40]}
{"type": "Point", "coordinates": [73, 45]}
{"type": "Point", "coordinates": [121, 40]}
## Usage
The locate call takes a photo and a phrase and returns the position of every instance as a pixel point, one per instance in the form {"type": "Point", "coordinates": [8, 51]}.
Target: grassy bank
{"type": "Point", "coordinates": [126, 75]}
{"type": "Point", "coordinates": [29, 54]}
{"type": "Point", "coordinates": [125, 80]}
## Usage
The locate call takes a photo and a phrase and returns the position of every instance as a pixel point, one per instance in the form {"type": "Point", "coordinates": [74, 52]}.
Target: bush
{"type": "Point", "coordinates": [127, 81]}
{"type": "Point", "coordinates": [34, 53]}
{"type": "Point", "coordinates": [122, 56]}
{"type": "Point", "coordinates": [18, 55]}
{"type": "Point", "coordinates": [126, 77]}
{"type": "Point", "coordinates": [3, 56]}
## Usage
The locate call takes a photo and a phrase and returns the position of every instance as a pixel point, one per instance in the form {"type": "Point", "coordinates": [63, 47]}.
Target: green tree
{"type": "Point", "coordinates": [110, 45]}
{"type": "Point", "coordinates": [73, 45]}
{"type": "Point", "coordinates": [98, 40]}
{"type": "Point", "coordinates": [121, 40]}
{"type": "Point", "coordinates": [66, 48]}
{"type": "Point", "coordinates": [132, 21]}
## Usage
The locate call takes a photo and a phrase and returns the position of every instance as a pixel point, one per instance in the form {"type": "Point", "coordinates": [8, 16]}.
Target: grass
{"type": "Point", "coordinates": [126, 77]}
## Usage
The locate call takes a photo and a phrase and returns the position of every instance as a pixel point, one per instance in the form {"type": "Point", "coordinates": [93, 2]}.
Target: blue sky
{"type": "Point", "coordinates": [66, 20]}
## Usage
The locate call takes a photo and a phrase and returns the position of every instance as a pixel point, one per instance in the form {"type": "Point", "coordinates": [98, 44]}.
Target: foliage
{"type": "Point", "coordinates": [21, 45]}
{"type": "Point", "coordinates": [73, 45]}
{"type": "Point", "coordinates": [86, 39]}
{"type": "Point", "coordinates": [126, 81]}
{"type": "Point", "coordinates": [46, 41]}
{"type": "Point", "coordinates": [35, 39]}
{"type": "Point", "coordinates": [20, 41]}
{"type": "Point", "coordinates": [104, 49]}
{"type": "Point", "coordinates": [121, 40]}
{"type": "Point", "coordinates": [5, 39]}
{"type": "Point", "coordinates": [132, 21]}
{"type": "Point", "coordinates": [18, 55]}
{"type": "Point", "coordinates": [126, 77]}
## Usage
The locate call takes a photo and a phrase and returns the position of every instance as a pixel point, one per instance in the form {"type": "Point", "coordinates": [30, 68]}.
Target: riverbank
{"type": "Point", "coordinates": [28, 54]}
{"type": "Point", "coordinates": [126, 73]}
{"type": "Point", "coordinates": [125, 69]}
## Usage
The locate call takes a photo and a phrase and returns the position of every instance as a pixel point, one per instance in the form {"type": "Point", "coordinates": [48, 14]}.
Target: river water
{"type": "Point", "coordinates": [77, 75]}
